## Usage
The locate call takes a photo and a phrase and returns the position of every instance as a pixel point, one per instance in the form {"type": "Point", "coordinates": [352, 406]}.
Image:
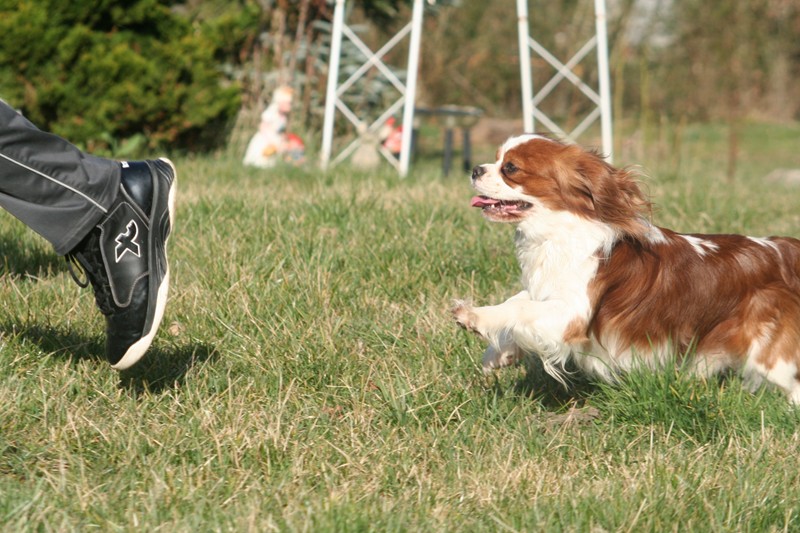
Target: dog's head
{"type": "Point", "coordinates": [535, 174]}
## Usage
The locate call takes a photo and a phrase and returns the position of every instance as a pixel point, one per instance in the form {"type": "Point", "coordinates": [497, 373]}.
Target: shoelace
{"type": "Point", "coordinates": [90, 263]}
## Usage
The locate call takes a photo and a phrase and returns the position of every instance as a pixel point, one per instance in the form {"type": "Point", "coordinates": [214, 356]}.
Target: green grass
{"type": "Point", "coordinates": [308, 376]}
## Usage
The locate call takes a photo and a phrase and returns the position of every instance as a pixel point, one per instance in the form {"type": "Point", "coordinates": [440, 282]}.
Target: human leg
{"type": "Point", "coordinates": [111, 219]}
{"type": "Point", "coordinates": [54, 188]}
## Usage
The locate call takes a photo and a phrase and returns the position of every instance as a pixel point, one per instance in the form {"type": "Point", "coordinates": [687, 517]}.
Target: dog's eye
{"type": "Point", "coordinates": [509, 168]}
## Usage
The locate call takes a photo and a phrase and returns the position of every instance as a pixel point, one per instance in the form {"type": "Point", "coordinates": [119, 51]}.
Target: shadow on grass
{"type": "Point", "coordinates": [56, 341]}
{"type": "Point", "coordinates": [165, 369]}
{"type": "Point", "coordinates": [552, 395]}
{"type": "Point", "coordinates": [161, 368]}
{"type": "Point", "coordinates": [27, 260]}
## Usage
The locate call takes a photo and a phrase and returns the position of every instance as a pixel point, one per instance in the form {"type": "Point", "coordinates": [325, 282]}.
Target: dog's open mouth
{"type": "Point", "coordinates": [501, 209]}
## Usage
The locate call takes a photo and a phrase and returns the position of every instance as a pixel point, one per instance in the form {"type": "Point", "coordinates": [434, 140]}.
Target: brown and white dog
{"type": "Point", "coordinates": [606, 288]}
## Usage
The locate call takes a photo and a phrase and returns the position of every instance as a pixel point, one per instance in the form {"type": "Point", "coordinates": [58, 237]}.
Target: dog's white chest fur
{"type": "Point", "coordinates": [558, 253]}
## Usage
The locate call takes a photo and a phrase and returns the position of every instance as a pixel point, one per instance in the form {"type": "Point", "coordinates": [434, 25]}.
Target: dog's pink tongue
{"type": "Point", "coordinates": [482, 201]}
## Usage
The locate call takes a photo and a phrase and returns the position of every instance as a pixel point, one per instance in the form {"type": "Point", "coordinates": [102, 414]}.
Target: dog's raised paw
{"type": "Point", "coordinates": [465, 317]}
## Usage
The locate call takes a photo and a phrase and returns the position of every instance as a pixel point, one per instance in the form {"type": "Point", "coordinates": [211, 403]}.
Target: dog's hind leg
{"type": "Point", "coordinates": [776, 361]}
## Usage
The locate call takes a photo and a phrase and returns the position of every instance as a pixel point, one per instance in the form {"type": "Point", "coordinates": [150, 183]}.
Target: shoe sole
{"type": "Point", "coordinates": [137, 350]}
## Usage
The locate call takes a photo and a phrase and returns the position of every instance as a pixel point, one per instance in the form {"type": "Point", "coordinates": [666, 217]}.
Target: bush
{"type": "Point", "coordinates": [103, 75]}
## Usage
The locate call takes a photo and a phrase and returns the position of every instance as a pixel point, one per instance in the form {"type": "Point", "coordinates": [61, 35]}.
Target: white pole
{"type": "Point", "coordinates": [605, 84]}
{"type": "Point", "coordinates": [333, 81]}
{"type": "Point", "coordinates": [525, 65]}
{"type": "Point", "coordinates": [411, 87]}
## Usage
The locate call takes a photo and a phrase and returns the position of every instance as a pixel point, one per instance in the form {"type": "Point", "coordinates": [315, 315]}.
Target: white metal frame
{"type": "Point", "coordinates": [335, 89]}
{"type": "Point", "coordinates": [601, 97]}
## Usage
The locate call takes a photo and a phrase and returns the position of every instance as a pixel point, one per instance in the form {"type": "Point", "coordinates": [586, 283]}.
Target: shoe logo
{"type": "Point", "coordinates": [126, 242]}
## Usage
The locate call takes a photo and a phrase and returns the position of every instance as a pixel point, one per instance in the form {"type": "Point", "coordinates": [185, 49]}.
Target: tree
{"type": "Point", "coordinates": [103, 73]}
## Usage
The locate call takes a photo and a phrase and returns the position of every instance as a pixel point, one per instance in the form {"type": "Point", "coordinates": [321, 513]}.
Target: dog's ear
{"type": "Point", "coordinates": [613, 194]}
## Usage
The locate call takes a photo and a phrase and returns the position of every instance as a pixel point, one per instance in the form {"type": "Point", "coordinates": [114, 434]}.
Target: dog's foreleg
{"type": "Point", "coordinates": [500, 354]}
{"type": "Point", "coordinates": [462, 311]}
{"type": "Point", "coordinates": [531, 325]}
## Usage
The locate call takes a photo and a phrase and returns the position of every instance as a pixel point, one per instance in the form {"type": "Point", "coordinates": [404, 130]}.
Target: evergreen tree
{"type": "Point", "coordinates": [102, 73]}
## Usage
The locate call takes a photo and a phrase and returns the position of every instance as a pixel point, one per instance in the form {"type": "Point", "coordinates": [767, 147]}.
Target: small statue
{"type": "Point", "coordinates": [270, 143]}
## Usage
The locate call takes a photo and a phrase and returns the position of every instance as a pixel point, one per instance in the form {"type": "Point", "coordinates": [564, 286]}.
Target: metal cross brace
{"type": "Point", "coordinates": [336, 90]}
{"type": "Point", "coordinates": [601, 99]}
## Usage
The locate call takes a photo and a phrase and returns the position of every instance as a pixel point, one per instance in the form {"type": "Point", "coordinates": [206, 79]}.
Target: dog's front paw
{"type": "Point", "coordinates": [465, 316]}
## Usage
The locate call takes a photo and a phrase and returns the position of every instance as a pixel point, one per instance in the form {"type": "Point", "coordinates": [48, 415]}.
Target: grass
{"type": "Point", "coordinates": [308, 376]}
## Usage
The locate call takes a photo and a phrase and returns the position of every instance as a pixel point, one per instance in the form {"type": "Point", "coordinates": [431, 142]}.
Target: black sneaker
{"type": "Point", "coordinates": [125, 259]}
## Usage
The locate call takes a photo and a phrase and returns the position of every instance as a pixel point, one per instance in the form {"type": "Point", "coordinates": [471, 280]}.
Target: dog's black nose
{"type": "Point", "coordinates": [478, 171]}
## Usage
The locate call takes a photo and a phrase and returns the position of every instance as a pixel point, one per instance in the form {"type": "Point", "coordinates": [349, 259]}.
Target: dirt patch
{"type": "Point", "coordinates": [574, 417]}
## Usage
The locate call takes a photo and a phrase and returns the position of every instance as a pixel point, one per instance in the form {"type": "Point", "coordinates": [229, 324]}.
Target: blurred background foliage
{"type": "Point", "coordinates": [119, 77]}
{"type": "Point", "coordinates": [110, 74]}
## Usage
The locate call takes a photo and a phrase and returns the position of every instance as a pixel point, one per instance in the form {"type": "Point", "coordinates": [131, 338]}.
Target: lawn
{"type": "Point", "coordinates": [308, 376]}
